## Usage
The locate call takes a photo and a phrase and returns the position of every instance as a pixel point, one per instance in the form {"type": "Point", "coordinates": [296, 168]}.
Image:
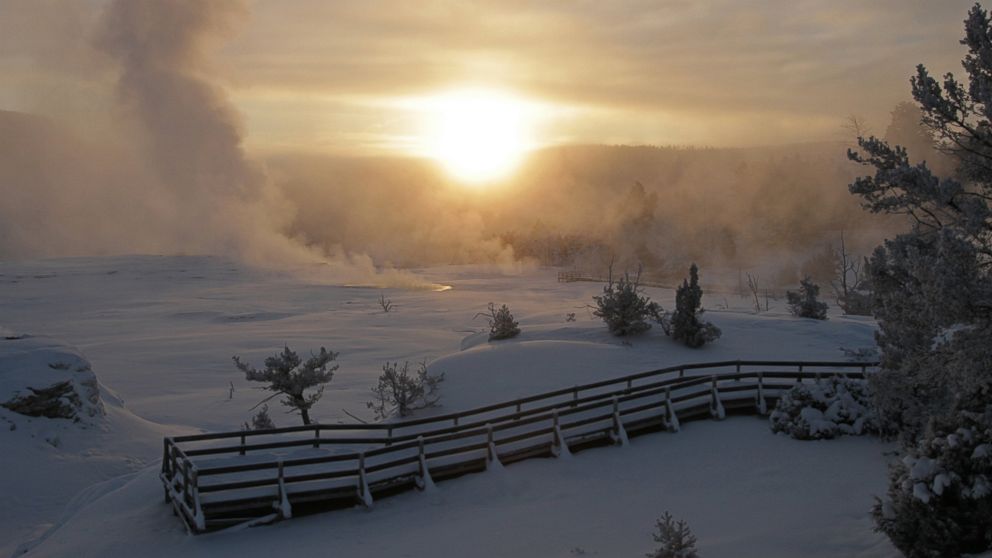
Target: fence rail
{"type": "Point", "coordinates": [221, 479]}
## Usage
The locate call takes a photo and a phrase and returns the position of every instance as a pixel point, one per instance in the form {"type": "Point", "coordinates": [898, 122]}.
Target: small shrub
{"type": "Point", "coordinates": [260, 420]}
{"type": "Point", "coordinates": [684, 324]}
{"type": "Point", "coordinates": [939, 501]}
{"type": "Point", "coordinates": [501, 322]}
{"type": "Point", "coordinates": [623, 308]}
{"type": "Point", "coordinates": [675, 538]}
{"type": "Point", "coordinates": [400, 392]}
{"type": "Point", "coordinates": [804, 303]}
{"type": "Point", "coordinates": [825, 409]}
{"type": "Point", "coordinates": [857, 302]}
{"type": "Point", "coordinates": [385, 304]}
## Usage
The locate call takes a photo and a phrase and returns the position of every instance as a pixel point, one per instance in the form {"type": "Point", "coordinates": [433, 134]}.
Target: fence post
{"type": "Point", "coordinates": [559, 446]}
{"type": "Point", "coordinates": [619, 434]}
{"type": "Point", "coordinates": [492, 456]}
{"type": "Point", "coordinates": [681, 372]}
{"type": "Point", "coordinates": [762, 405]}
{"type": "Point", "coordinates": [424, 480]}
{"type": "Point", "coordinates": [389, 436]}
{"type": "Point", "coordinates": [242, 442]}
{"type": "Point", "coordinates": [186, 494]}
{"type": "Point", "coordinates": [166, 466]}
{"type": "Point", "coordinates": [198, 519]}
{"type": "Point", "coordinates": [364, 494]}
{"type": "Point", "coordinates": [575, 396]}
{"type": "Point", "coordinates": [285, 509]}
{"type": "Point", "coordinates": [716, 405]}
{"type": "Point", "coordinates": [672, 419]}
{"type": "Point", "coordinates": [316, 437]}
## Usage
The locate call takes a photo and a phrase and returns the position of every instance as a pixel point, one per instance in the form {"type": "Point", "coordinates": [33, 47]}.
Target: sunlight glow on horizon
{"type": "Point", "coordinates": [478, 135]}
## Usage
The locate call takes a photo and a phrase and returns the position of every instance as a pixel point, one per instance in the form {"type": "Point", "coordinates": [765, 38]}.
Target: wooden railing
{"type": "Point", "coordinates": [214, 480]}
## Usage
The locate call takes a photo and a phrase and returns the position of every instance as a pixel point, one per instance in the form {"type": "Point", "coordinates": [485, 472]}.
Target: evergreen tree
{"type": "Point", "coordinates": [932, 286]}
{"type": "Point", "coordinates": [933, 300]}
{"type": "Point", "coordinates": [684, 324]}
{"type": "Point", "coordinates": [501, 322]}
{"type": "Point", "coordinates": [675, 538]}
{"type": "Point", "coordinates": [804, 303]}
{"type": "Point", "coordinates": [302, 383]}
{"type": "Point", "coordinates": [622, 306]}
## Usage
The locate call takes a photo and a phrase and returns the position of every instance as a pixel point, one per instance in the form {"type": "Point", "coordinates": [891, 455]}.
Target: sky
{"type": "Point", "coordinates": [350, 76]}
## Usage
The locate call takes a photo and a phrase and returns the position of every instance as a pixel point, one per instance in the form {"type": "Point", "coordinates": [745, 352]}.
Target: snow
{"type": "Point", "coordinates": [30, 363]}
{"type": "Point", "coordinates": [161, 331]}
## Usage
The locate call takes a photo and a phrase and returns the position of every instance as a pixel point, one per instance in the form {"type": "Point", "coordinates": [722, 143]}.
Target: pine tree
{"type": "Point", "coordinates": [684, 324]}
{"type": "Point", "coordinates": [287, 374]}
{"type": "Point", "coordinates": [501, 322]}
{"type": "Point", "coordinates": [675, 538]}
{"type": "Point", "coordinates": [933, 301]}
{"type": "Point", "coordinates": [804, 303]}
{"type": "Point", "coordinates": [622, 306]}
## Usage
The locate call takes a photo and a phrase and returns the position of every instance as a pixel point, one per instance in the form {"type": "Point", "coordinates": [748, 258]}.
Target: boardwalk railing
{"type": "Point", "coordinates": [227, 478]}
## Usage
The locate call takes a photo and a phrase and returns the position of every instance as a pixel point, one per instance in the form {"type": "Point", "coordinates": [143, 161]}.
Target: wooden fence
{"type": "Point", "coordinates": [228, 478]}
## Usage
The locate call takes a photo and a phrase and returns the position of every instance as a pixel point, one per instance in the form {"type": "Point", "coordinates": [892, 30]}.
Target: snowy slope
{"type": "Point", "coordinates": [161, 331]}
{"type": "Point", "coordinates": [744, 491]}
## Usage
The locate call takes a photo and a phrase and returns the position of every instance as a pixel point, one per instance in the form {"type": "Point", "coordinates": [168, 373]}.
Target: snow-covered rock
{"type": "Point", "coordinates": [41, 377]}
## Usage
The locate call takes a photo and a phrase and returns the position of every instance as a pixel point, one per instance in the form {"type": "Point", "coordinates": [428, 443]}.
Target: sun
{"type": "Point", "coordinates": [478, 135]}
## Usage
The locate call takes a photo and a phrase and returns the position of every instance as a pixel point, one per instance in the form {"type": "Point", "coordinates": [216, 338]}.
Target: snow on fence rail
{"type": "Point", "coordinates": [227, 478]}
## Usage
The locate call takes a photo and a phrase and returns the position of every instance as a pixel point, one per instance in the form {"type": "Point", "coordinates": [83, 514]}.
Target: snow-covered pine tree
{"type": "Point", "coordinates": [932, 285]}
{"type": "Point", "coordinates": [939, 501]}
{"type": "Point", "coordinates": [675, 538]}
{"type": "Point", "coordinates": [302, 383]}
{"type": "Point", "coordinates": [933, 301]}
{"type": "Point", "coordinates": [804, 303]}
{"type": "Point", "coordinates": [622, 306]}
{"type": "Point", "coordinates": [684, 324]}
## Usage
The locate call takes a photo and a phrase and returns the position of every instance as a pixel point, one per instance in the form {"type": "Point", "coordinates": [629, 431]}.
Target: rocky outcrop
{"type": "Point", "coordinates": [41, 377]}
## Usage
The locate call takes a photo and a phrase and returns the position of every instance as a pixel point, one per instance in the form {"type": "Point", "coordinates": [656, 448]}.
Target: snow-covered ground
{"type": "Point", "coordinates": [160, 331]}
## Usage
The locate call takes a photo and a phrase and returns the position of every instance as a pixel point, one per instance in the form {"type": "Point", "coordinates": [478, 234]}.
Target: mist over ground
{"type": "Point", "coordinates": [158, 166]}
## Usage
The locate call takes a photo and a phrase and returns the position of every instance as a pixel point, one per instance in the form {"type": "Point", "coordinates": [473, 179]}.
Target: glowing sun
{"type": "Point", "coordinates": [478, 135]}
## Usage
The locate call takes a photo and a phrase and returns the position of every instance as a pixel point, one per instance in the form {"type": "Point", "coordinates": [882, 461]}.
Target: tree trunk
{"type": "Point", "coordinates": [301, 404]}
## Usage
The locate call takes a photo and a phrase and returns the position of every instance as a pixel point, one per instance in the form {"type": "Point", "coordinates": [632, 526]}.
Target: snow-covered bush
{"type": "Point", "coordinates": [622, 306]}
{"type": "Point", "coordinates": [675, 538]}
{"type": "Point", "coordinates": [400, 392]}
{"type": "Point", "coordinates": [501, 322]}
{"type": "Point", "coordinates": [824, 409]}
{"type": "Point", "coordinates": [939, 501]}
{"type": "Point", "coordinates": [684, 324]}
{"type": "Point", "coordinates": [302, 383]}
{"type": "Point", "coordinates": [804, 303]}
